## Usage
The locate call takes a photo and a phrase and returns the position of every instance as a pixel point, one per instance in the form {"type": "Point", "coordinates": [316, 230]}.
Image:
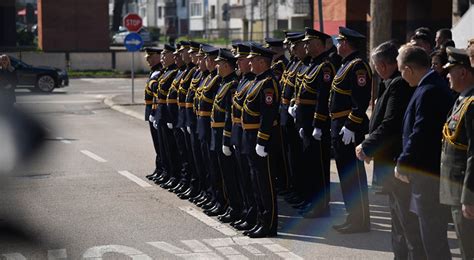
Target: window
{"type": "Point", "coordinates": [183, 3]}
{"type": "Point", "coordinates": [213, 12]}
{"type": "Point", "coordinates": [160, 14]}
{"type": "Point", "coordinates": [195, 8]}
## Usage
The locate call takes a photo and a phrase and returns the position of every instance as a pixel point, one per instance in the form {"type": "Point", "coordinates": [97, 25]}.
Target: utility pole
{"type": "Point", "coordinates": [381, 23]}
{"type": "Point", "coordinates": [251, 19]}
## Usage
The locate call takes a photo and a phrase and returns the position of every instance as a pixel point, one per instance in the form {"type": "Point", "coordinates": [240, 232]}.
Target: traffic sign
{"type": "Point", "coordinates": [133, 42]}
{"type": "Point", "coordinates": [133, 22]}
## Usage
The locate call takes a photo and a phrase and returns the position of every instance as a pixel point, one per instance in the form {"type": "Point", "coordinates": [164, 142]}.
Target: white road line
{"type": "Point", "coordinates": [135, 179]}
{"type": "Point", "coordinates": [93, 156]}
{"type": "Point", "coordinates": [59, 101]}
{"type": "Point", "coordinates": [209, 221]}
{"type": "Point", "coordinates": [63, 140]}
{"type": "Point", "coordinates": [57, 254]}
{"type": "Point", "coordinates": [13, 256]}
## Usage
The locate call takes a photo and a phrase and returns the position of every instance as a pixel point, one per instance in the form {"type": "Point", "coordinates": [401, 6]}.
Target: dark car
{"type": "Point", "coordinates": [43, 78]}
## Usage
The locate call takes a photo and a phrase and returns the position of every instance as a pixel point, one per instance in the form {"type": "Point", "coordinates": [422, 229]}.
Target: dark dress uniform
{"type": "Point", "coordinates": [191, 119]}
{"type": "Point", "coordinates": [258, 120]}
{"type": "Point", "coordinates": [291, 144]}
{"type": "Point", "coordinates": [221, 134]}
{"type": "Point", "coordinates": [422, 127]}
{"type": "Point", "coordinates": [279, 66]}
{"type": "Point", "coordinates": [349, 99]}
{"type": "Point", "coordinates": [384, 144]}
{"type": "Point", "coordinates": [161, 117]}
{"type": "Point", "coordinates": [312, 111]}
{"type": "Point", "coordinates": [457, 177]}
{"type": "Point", "coordinates": [150, 106]}
{"type": "Point", "coordinates": [248, 218]}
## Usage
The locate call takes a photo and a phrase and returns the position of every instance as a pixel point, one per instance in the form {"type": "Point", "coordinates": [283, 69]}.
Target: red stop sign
{"type": "Point", "coordinates": [133, 22]}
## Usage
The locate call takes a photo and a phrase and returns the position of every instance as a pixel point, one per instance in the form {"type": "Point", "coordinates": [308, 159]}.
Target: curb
{"type": "Point", "coordinates": [122, 109]}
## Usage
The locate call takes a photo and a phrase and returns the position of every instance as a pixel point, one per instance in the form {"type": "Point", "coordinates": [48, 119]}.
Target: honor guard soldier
{"type": "Point", "coordinates": [249, 213]}
{"type": "Point", "coordinates": [181, 161]}
{"type": "Point", "coordinates": [221, 124]}
{"type": "Point", "coordinates": [153, 58]}
{"type": "Point", "coordinates": [349, 99]}
{"type": "Point", "coordinates": [457, 162]}
{"type": "Point", "coordinates": [279, 62]}
{"type": "Point", "coordinates": [258, 120]}
{"type": "Point", "coordinates": [216, 204]}
{"type": "Point", "coordinates": [192, 100]}
{"type": "Point", "coordinates": [291, 87]}
{"type": "Point", "coordinates": [188, 56]}
{"type": "Point", "coordinates": [312, 121]}
{"type": "Point", "coordinates": [162, 116]}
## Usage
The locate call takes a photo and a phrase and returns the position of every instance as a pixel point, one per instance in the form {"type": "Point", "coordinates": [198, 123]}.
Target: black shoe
{"type": "Point", "coordinates": [354, 228]}
{"type": "Point", "coordinates": [254, 228]}
{"type": "Point", "coordinates": [339, 226]}
{"type": "Point", "coordinates": [170, 183]}
{"type": "Point", "coordinates": [237, 222]}
{"type": "Point", "coordinates": [183, 188]}
{"type": "Point", "coordinates": [244, 226]}
{"type": "Point", "coordinates": [302, 205]}
{"type": "Point", "coordinates": [209, 204]}
{"type": "Point", "coordinates": [154, 175]}
{"type": "Point", "coordinates": [262, 232]}
{"type": "Point", "coordinates": [204, 201]}
{"type": "Point", "coordinates": [197, 198]}
{"type": "Point", "coordinates": [176, 187]}
{"type": "Point", "coordinates": [163, 178]}
{"type": "Point", "coordinates": [227, 218]}
{"type": "Point", "coordinates": [215, 211]}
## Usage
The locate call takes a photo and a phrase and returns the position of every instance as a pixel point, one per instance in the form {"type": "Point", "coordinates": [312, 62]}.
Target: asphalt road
{"type": "Point", "coordinates": [85, 195]}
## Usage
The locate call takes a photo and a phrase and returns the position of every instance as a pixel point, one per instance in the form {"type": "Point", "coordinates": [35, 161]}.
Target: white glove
{"type": "Point", "coordinates": [347, 136]}
{"type": "Point", "coordinates": [155, 124]}
{"type": "Point", "coordinates": [151, 118]}
{"type": "Point", "coordinates": [233, 146]}
{"type": "Point", "coordinates": [301, 132]}
{"type": "Point", "coordinates": [292, 111]}
{"type": "Point", "coordinates": [170, 125]}
{"type": "Point", "coordinates": [260, 150]}
{"type": "Point", "coordinates": [226, 150]}
{"type": "Point", "coordinates": [317, 133]}
{"type": "Point", "coordinates": [183, 130]}
{"type": "Point", "coordinates": [189, 129]}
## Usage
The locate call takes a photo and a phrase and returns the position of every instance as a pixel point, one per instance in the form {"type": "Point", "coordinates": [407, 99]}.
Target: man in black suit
{"type": "Point", "coordinates": [384, 144]}
{"type": "Point", "coordinates": [419, 162]}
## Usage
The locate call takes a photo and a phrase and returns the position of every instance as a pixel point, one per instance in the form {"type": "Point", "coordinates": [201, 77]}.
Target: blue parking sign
{"type": "Point", "coordinates": [133, 42]}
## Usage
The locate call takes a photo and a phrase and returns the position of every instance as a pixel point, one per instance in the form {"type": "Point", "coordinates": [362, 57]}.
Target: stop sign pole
{"type": "Point", "coordinates": [133, 42]}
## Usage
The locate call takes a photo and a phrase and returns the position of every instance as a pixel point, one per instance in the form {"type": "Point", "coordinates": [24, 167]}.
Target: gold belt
{"type": "Point", "coordinates": [340, 114]}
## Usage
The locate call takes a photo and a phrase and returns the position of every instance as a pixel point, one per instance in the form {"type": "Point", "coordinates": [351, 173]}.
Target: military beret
{"type": "Point", "coordinates": [168, 48]}
{"type": "Point", "coordinates": [273, 42]}
{"type": "Point", "coordinates": [349, 34]}
{"type": "Point", "coordinates": [152, 50]}
{"type": "Point", "coordinates": [193, 47]}
{"type": "Point", "coordinates": [243, 50]}
{"type": "Point", "coordinates": [296, 38]}
{"type": "Point", "coordinates": [456, 57]}
{"type": "Point", "coordinates": [225, 55]}
{"type": "Point", "coordinates": [258, 50]}
{"type": "Point", "coordinates": [210, 50]}
{"type": "Point", "coordinates": [313, 34]}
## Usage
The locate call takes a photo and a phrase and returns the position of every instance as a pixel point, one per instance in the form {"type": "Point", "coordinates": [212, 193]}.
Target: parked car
{"type": "Point", "coordinates": [119, 37]}
{"type": "Point", "coordinates": [43, 78]}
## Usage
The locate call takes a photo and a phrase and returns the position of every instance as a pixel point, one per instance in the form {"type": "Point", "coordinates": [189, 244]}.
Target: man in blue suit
{"type": "Point", "coordinates": [419, 162]}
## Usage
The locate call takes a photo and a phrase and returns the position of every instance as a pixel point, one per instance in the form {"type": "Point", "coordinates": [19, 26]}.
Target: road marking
{"type": "Point", "coordinates": [209, 221]}
{"type": "Point", "coordinates": [57, 254]}
{"type": "Point", "coordinates": [93, 156]}
{"type": "Point", "coordinates": [13, 256]}
{"type": "Point", "coordinates": [96, 253]}
{"type": "Point", "coordinates": [196, 246]}
{"type": "Point", "coordinates": [135, 179]}
{"type": "Point", "coordinates": [63, 140]}
{"type": "Point", "coordinates": [59, 101]}
{"type": "Point", "coordinates": [179, 252]}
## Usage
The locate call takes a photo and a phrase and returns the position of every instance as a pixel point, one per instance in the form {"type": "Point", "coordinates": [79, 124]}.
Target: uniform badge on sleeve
{"type": "Point", "coordinates": [268, 96]}
{"type": "Point", "coordinates": [327, 76]}
{"type": "Point", "coordinates": [361, 78]}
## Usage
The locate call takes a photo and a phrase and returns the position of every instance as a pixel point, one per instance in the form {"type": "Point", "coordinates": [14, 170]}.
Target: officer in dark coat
{"type": "Point", "coordinates": [258, 120]}
{"type": "Point", "coordinates": [8, 81]}
{"type": "Point", "coordinates": [153, 57]}
{"type": "Point", "coordinates": [457, 157]}
{"type": "Point", "coordinates": [349, 99]}
{"type": "Point", "coordinates": [249, 213]}
{"type": "Point", "coordinates": [384, 145]}
{"type": "Point", "coordinates": [216, 203]}
{"type": "Point", "coordinates": [312, 115]}
{"type": "Point", "coordinates": [279, 60]}
{"type": "Point", "coordinates": [419, 162]}
{"type": "Point", "coordinates": [221, 124]}
{"type": "Point", "coordinates": [192, 98]}
{"type": "Point", "coordinates": [167, 149]}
